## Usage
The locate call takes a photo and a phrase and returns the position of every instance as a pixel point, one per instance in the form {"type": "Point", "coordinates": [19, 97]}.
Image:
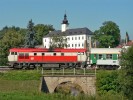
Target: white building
{"type": "Point", "coordinates": [76, 38]}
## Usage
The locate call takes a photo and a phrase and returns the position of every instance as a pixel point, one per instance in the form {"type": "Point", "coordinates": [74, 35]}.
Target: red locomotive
{"type": "Point", "coordinates": [32, 57]}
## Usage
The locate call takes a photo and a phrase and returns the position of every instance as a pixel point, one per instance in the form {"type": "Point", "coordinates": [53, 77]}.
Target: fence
{"type": "Point", "coordinates": [72, 71]}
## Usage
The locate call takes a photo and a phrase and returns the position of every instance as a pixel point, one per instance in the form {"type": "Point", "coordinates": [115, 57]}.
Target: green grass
{"type": "Point", "coordinates": [24, 85]}
{"type": "Point", "coordinates": [21, 75]}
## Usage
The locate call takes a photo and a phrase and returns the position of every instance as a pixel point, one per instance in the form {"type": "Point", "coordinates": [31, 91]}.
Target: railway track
{"type": "Point", "coordinates": [5, 68]}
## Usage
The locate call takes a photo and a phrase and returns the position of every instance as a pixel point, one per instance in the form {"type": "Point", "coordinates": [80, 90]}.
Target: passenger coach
{"type": "Point", "coordinates": [105, 57]}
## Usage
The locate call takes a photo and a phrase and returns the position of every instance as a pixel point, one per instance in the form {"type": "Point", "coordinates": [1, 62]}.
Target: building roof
{"type": "Point", "coordinates": [68, 32]}
{"type": "Point", "coordinates": [130, 43]}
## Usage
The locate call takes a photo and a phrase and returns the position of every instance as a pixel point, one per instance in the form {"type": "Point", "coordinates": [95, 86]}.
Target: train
{"type": "Point", "coordinates": [77, 58]}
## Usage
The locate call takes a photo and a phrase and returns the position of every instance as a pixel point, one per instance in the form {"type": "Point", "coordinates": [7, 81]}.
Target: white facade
{"type": "Point", "coordinates": [73, 41]}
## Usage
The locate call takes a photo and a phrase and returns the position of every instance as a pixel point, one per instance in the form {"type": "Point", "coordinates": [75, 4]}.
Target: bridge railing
{"type": "Point", "coordinates": [72, 71]}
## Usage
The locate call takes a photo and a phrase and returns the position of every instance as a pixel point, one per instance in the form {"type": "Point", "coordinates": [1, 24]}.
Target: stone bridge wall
{"type": "Point", "coordinates": [87, 83]}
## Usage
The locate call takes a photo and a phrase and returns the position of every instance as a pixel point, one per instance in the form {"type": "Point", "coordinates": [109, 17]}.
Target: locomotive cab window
{"type": "Point", "coordinates": [12, 53]}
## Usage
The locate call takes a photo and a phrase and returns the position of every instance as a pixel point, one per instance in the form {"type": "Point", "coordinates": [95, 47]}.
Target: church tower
{"type": "Point", "coordinates": [65, 24]}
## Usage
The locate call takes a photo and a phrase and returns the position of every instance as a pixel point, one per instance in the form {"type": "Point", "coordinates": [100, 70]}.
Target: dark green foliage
{"type": "Point", "coordinates": [12, 38]}
{"type": "Point", "coordinates": [107, 82]}
{"type": "Point", "coordinates": [126, 75]}
{"type": "Point", "coordinates": [108, 35]}
{"type": "Point", "coordinates": [42, 30]}
{"type": "Point", "coordinates": [30, 36]}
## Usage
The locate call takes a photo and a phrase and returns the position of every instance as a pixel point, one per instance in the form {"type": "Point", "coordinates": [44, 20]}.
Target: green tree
{"type": "Point", "coordinates": [42, 30]}
{"type": "Point", "coordinates": [109, 31]}
{"type": "Point", "coordinates": [11, 39]}
{"type": "Point", "coordinates": [30, 41]}
{"type": "Point", "coordinates": [107, 82]}
{"type": "Point", "coordinates": [126, 75]}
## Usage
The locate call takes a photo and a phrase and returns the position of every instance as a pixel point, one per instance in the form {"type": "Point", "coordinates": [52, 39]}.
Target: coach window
{"type": "Point", "coordinates": [54, 54]}
{"type": "Point", "coordinates": [35, 54]}
{"type": "Point", "coordinates": [108, 56]}
{"type": "Point", "coordinates": [100, 56]}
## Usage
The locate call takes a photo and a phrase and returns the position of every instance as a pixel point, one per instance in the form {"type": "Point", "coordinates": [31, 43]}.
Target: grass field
{"type": "Point", "coordinates": [24, 85]}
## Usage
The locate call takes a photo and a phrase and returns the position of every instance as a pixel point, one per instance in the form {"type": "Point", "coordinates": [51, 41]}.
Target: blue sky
{"type": "Point", "coordinates": [81, 13]}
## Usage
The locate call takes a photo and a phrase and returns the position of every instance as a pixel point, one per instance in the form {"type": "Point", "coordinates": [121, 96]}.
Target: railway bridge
{"type": "Point", "coordinates": [86, 82]}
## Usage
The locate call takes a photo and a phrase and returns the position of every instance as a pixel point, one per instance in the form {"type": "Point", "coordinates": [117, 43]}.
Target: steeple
{"type": "Point", "coordinates": [65, 23]}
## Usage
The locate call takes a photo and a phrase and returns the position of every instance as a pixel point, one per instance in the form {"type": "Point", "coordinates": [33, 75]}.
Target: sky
{"type": "Point", "coordinates": [80, 13]}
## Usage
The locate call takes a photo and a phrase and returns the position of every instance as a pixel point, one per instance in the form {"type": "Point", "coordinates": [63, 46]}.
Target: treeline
{"type": "Point", "coordinates": [11, 37]}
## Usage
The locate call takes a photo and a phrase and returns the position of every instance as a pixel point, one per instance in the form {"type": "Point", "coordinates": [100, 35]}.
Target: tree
{"type": "Point", "coordinates": [109, 31]}
{"type": "Point", "coordinates": [42, 30]}
{"type": "Point", "coordinates": [30, 36]}
{"type": "Point", "coordinates": [126, 75]}
{"type": "Point", "coordinates": [58, 42]}
{"type": "Point", "coordinates": [11, 39]}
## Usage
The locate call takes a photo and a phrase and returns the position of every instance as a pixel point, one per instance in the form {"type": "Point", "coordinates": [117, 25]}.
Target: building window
{"type": "Point", "coordinates": [82, 37]}
{"type": "Point", "coordinates": [68, 45]}
{"type": "Point", "coordinates": [82, 44]}
{"type": "Point", "coordinates": [45, 40]}
{"type": "Point", "coordinates": [75, 38]}
{"type": "Point", "coordinates": [79, 45]}
{"type": "Point", "coordinates": [72, 45]}
{"type": "Point", "coordinates": [75, 45]}
{"type": "Point", "coordinates": [68, 38]}
{"type": "Point", "coordinates": [72, 38]}
{"type": "Point", "coordinates": [79, 38]}
{"type": "Point", "coordinates": [108, 56]}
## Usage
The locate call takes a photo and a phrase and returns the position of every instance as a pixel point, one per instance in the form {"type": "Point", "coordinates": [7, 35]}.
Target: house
{"type": "Point", "coordinates": [76, 38]}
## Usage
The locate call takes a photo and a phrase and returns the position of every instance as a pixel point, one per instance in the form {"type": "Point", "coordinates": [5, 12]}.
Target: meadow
{"type": "Point", "coordinates": [25, 85]}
